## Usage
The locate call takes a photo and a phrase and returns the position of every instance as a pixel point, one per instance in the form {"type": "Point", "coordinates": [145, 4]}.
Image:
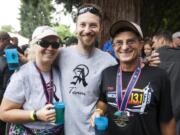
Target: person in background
{"type": "Point", "coordinates": [162, 38]}
{"type": "Point", "coordinates": [14, 41]}
{"type": "Point", "coordinates": [71, 41]}
{"type": "Point", "coordinates": [169, 57]}
{"type": "Point", "coordinates": [176, 39]}
{"type": "Point", "coordinates": [137, 95]}
{"type": "Point", "coordinates": [107, 47]}
{"type": "Point", "coordinates": [5, 73]}
{"type": "Point", "coordinates": [147, 48]}
{"type": "Point", "coordinates": [32, 90]}
{"type": "Point", "coordinates": [25, 49]}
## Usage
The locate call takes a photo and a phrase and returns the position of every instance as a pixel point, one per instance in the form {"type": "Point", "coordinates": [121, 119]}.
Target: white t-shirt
{"type": "Point", "coordinates": [81, 76]}
{"type": "Point", "coordinates": [26, 88]}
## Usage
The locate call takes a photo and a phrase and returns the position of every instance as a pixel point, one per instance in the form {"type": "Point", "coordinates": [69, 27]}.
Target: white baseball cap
{"type": "Point", "coordinates": [124, 24]}
{"type": "Point", "coordinates": [42, 32]}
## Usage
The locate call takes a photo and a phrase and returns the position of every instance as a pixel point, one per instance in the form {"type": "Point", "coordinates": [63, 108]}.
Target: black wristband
{"type": "Point", "coordinates": [35, 116]}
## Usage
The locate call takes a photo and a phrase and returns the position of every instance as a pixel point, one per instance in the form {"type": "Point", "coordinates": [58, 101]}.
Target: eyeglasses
{"type": "Point", "coordinates": [92, 10]}
{"type": "Point", "coordinates": [129, 42]}
{"type": "Point", "coordinates": [46, 44]}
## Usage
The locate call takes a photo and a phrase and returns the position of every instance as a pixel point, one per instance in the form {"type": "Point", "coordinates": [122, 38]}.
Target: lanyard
{"type": "Point", "coordinates": [48, 88]}
{"type": "Point", "coordinates": [122, 100]}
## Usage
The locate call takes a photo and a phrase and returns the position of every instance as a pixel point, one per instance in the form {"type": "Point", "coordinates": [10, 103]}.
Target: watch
{"type": "Point", "coordinates": [35, 116]}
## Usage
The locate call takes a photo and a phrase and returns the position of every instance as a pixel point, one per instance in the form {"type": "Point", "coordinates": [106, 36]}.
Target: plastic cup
{"type": "Point", "coordinates": [101, 124]}
{"type": "Point", "coordinates": [12, 58]}
{"type": "Point", "coordinates": [59, 109]}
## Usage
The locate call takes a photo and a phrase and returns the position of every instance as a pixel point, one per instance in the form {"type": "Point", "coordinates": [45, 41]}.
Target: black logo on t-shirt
{"type": "Point", "coordinates": [81, 71]}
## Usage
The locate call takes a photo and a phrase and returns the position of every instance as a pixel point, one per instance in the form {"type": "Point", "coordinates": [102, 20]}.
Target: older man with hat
{"type": "Point", "coordinates": [137, 95]}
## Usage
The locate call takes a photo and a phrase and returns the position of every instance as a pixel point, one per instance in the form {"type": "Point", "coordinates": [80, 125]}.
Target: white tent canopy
{"type": "Point", "coordinates": [22, 40]}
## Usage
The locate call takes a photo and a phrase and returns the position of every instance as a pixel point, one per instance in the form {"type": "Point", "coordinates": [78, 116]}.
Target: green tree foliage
{"type": "Point", "coordinates": [155, 14]}
{"type": "Point", "coordinates": [69, 3]}
{"type": "Point", "coordinates": [34, 13]}
{"type": "Point", "coordinates": [7, 28]}
{"type": "Point", "coordinates": [63, 31]}
{"type": "Point", "coordinates": [159, 15]}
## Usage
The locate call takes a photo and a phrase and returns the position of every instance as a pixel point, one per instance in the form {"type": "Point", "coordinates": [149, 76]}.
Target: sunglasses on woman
{"type": "Point", "coordinates": [46, 44]}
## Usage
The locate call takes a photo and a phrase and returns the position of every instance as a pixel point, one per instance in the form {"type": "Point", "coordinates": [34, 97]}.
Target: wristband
{"type": "Point", "coordinates": [31, 116]}
{"type": "Point", "coordinates": [100, 110]}
{"type": "Point", "coordinates": [35, 116]}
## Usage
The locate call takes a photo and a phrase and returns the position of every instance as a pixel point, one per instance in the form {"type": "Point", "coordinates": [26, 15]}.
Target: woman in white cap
{"type": "Point", "coordinates": [29, 97]}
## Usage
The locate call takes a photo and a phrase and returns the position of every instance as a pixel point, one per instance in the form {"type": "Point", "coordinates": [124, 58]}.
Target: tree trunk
{"type": "Point", "coordinates": [114, 10]}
